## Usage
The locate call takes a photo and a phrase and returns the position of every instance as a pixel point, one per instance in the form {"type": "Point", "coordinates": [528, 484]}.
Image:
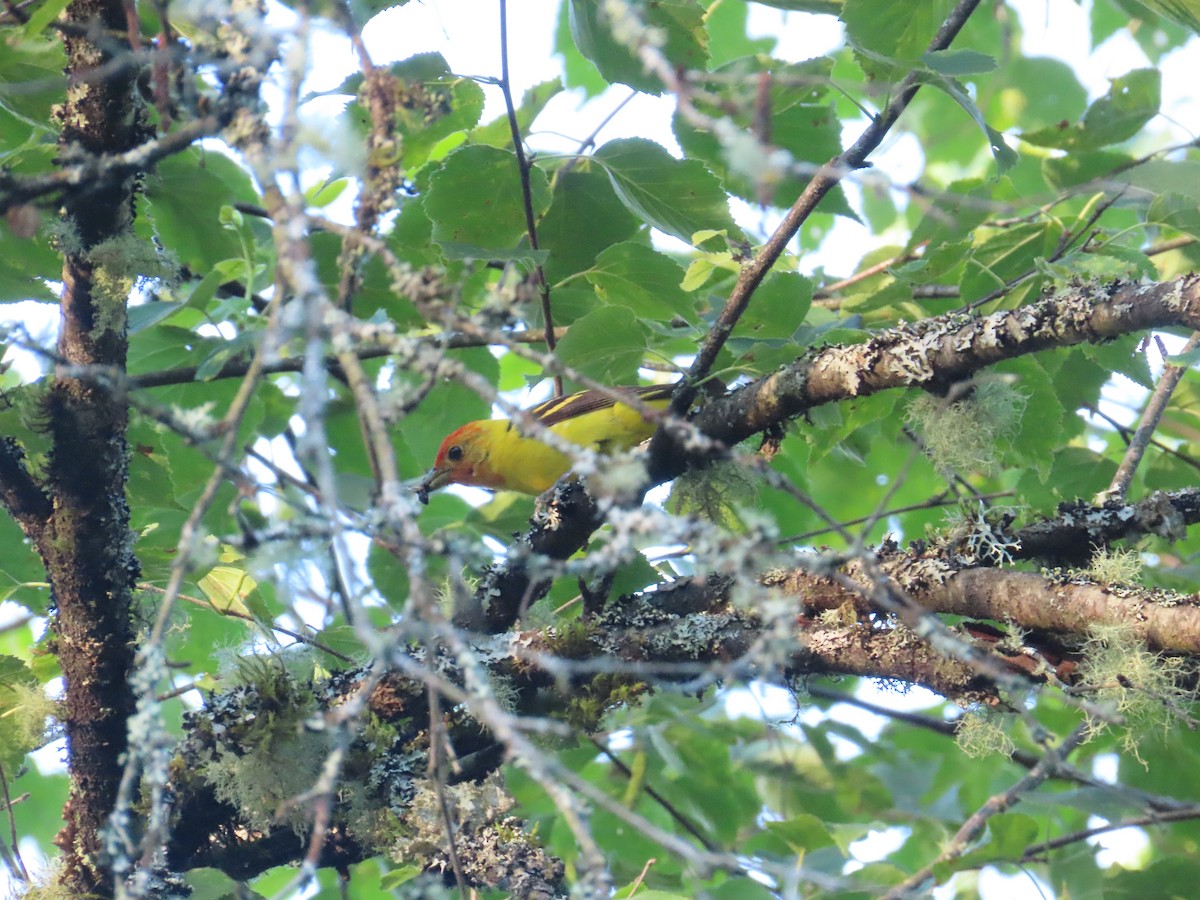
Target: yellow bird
{"type": "Point", "coordinates": [492, 453]}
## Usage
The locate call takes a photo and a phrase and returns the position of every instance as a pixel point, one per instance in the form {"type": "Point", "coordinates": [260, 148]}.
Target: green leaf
{"type": "Point", "coordinates": [476, 206]}
{"type": "Point", "coordinates": [323, 194]}
{"type": "Point", "coordinates": [25, 267]}
{"type": "Point", "coordinates": [376, 294]}
{"type": "Point", "coordinates": [165, 347]}
{"type": "Point", "coordinates": [17, 737]}
{"type": "Point", "coordinates": [1131, 102]}
{"type": "Point", "coordinates": [1073, 169]}
{"type": "Point", "coordinates": [642, 279]}
{"type": "Point", "coordinates": [1038, 92]}
{"type": "Point", "coordinates": [678, 197]}
{"type": "Point", "coordinates": [399, 876]}
{"type": "Point", "coordinates": [632, 576]}
{"type": "Point", "coordinates": [146, 314]}
{"type": "Point", "coordinates": [675, 26]}
{"type": "Point", "coordinates": [1075, 473]}
{"type": "Point", "coordinates": [825, 7]}
{"type": "Point", "coordinates": [585, 217]}
{"type": "Point", "coordinates": [232, 590]}
{"type": "Point", "coordinates": [498, 132]}
{"type": "Point", "coordinates": [41, 819]}
{"type": "Point", "coordinates": [1005, 255]}
{"type": "Point", "coordinates": [42, 15]}
{"type": "Point", "coordinates": [778, 307]}
{"type": "Point", "coordinates": [952, 215]}
{"type": "Point", "coordinates": [1039, 430]}
{"type": "Point", "coordinates": [890, 37]}
{"type": "Point", "coordinates": [959, 62]}
{"type": "Point", "coordinates": [1163, 176]}
{"type": "Point", "coordinates": [727, 38]}
{"type": "Point", "coordinates": [412, 235]}
{"type": "Point", "coordinates": [802, 833]}
{"type": "Point", "coordinates": [606, 345]}
{"type": "Point", "coordinates": [241, 346]}
{"type": "Point", "coordinates": [739, 889]}
{"type": "Point", "coordinates": [1175, 211]}
{"type": "Point", "coordinates": [744, 150]}
{"type": "Point", "coordinates": [1173, 877]}
{"type": "Point", "coordinates": [35, 66]}
{"type": "Point", "coordinates": [1185, 12]}
{"type": "Point", "coordinates": [431, 103]}
{"type": "Point", "coordinates": [1009, 833]}
{"type": "Point", "coordinates": [184, 203]}
{"type": "Point", "coordinates": [578, 71]}
{"type": "Point", "coordinates": [212, 884]}
{"type": "Point", "coordinates": [1004, 155]}
{"type": "Point", "coordinates": [363, 11]}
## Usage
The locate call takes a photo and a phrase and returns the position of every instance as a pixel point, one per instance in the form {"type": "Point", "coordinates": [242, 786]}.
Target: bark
{"type": "Point", "coordinates": [86, 543]}
{"type": "Point", "coordinates": [1069, 606]}
{"type": "Point", "coordinates": [930, 355]}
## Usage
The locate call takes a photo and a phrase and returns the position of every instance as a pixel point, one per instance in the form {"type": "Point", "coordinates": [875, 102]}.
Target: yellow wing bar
{"type": "Point", "coordinates": [559, 409]}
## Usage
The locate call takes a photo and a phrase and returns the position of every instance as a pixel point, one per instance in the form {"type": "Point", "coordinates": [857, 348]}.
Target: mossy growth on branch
{"type": "Point", "coordinates": [1143, 687]}
{"type": "Point", "coordinates": [968, 433]}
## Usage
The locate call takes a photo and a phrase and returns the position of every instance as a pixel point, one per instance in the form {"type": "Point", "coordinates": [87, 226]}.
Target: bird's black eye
{"type": "Point", "coordinates": [454, 454]}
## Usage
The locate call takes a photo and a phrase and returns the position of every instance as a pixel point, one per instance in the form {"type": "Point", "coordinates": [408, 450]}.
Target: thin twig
{"type": "Point", "coordinates": [1151, 416]}
{"type": "Point", "coordinates": [998, 803]}
{"type": "Point", "coordinates": [939, 726]}
{"type": "Point", "coordinates": [941, 500]}
{"type": "Point", "coordinates": [236, 368]}
{"type": "Point", "coordinates": [1126, 434]}
{"type": "Point", "coordinates": [340, 587]}
{"type": "Point", "coordinates": [825, 180]}
{"type": "Point", "coordinates": [437, 775]}
{"type": "Point", "coordinates": [684, 822]}
{"type": "Point", "coordinates": [1065, 243]}
{"type": "Point", "coordinates": [23, 874]}
{"type": "Point", "coordinates": [524, 165]}
{"type": "Point", "coordinates": [1167, 246]}
{"type": "Point", "coordinates": [246, 617]}
{"type": "Point", "coordinates": [1036, 851]}
{"type": "Point", "coordinates": [829, 290]}
{"type": "Point", "coordinates": [590, 141]}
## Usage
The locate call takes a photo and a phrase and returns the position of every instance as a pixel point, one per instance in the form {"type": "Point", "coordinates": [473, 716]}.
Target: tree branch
{"type": "Point", "coordinates": [828, 177]}
{"type": "Point", "coordinates": [1028, 601]}
{"type": "Point", "coordinates": [1071, 537]}
{"type": "Point", "coordinates": [1151, 415]}
{"type": "Point", "coordinates": [929, 354]}
{"type": "Point", "coordinates": [975, 824]}
{"type": "Point", "coordinates": [937, 352]}
{"type": "Point", "coordinates": [21, 495]}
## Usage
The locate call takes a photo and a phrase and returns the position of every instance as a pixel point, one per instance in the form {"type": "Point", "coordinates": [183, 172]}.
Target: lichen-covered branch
{"type": "Point", "coordinates": [21, 495]}
{"type": "Point", "coordinates": [116, 166]}
{"type": "Point", "coordinates": [87, 545]}
{"type": "Point", "coordinates": [238, 770]}
{"type": "Point", "coordinates": [1072, 536]}
{"type": "Point", "coordinates": [1063, 604]}
{"type": "Point", "coordinates": [931, 355]}
{"type": "Point", "coordinates": [936, 352]}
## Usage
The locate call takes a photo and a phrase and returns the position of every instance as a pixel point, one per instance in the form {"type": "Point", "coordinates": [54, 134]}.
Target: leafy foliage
{"type": "Point", "coordinates": [719, 692]}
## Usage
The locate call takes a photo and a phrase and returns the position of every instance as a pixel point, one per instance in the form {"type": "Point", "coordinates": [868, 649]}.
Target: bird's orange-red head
{"type": "Point", "coordinates": [462, 459]}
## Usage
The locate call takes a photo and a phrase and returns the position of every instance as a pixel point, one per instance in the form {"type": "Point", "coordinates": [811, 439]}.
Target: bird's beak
{"type": "Point", "coordinates": [434, 479]}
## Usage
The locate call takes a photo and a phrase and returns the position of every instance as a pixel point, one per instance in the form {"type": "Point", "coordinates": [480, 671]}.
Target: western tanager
{"type": "Point", "coordinates": [492, 453]}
